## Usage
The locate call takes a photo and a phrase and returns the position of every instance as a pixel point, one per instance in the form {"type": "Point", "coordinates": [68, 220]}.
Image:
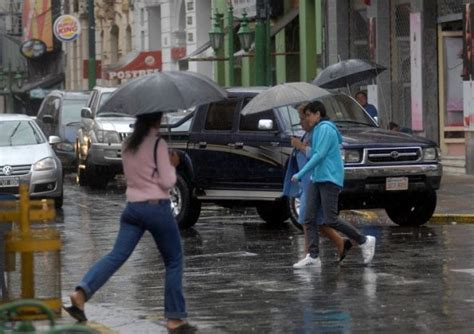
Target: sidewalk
{"type": "Point", "coordinates": [455, 202]}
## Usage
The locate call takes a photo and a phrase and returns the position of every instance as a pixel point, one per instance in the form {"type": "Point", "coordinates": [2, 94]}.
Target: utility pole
{"type": "Point", "coordinates": [91, 62]}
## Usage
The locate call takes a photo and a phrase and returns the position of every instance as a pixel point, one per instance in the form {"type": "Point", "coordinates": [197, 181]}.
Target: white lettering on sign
{"type": "Point", "coordinates": [131, 74]}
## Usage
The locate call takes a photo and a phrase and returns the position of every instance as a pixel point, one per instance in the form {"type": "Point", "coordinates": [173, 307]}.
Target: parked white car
{"type": "Point", "coordinates": [26, 156]}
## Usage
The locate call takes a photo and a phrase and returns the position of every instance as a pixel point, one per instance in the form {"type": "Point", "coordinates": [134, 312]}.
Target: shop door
{"type": "Point", "coordinates": [450, 53]}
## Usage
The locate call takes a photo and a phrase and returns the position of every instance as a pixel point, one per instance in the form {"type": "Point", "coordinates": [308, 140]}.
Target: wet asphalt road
{"type": "Point", "coordinates": [239, 277]}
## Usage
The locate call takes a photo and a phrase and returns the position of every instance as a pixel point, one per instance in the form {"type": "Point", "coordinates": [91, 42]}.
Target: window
{"type": "Point", "coordinates": [18, 133]}
{"type": "Point", "coordinates": [220, 115]}
{"type": "Point", "coordinates": [250, 122]}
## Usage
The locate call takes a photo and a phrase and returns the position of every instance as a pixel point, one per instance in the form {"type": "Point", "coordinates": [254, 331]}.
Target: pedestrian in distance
{"type": "Point", "coordinates": [150, 173]}
{"type": "Point", "coordinates": [361, 97]}
{"type": "Point", "coordinates": [301, 153]}
{"type": "Point", "coordinates": [327, 179]}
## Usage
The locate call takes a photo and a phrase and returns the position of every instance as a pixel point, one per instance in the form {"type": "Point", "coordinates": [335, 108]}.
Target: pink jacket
{"type": "Point", "coordinates": [142, 182]}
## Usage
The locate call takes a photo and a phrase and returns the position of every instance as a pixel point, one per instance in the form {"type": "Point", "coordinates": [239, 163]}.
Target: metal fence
{"type": "Point", "coordinates": [448, 7]}
{"type": "Point", "coordinates": [358, 30]}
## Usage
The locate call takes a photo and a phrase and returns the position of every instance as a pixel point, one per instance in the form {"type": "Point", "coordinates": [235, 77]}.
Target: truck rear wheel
{"type": "Point", "coordinates": [413, 210]}
{"type": "Point", "coordinates": [274, 212]}
{"type": "Point", "coordinates": [186, 208]}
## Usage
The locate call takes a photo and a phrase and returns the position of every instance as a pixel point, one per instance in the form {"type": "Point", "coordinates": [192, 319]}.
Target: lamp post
{"type": "Point", "coordinates": [216, 36]}
{"type": "Point", "coordinates": [262, 44]}
{"type": "Point", "coordinates": [8, 81]}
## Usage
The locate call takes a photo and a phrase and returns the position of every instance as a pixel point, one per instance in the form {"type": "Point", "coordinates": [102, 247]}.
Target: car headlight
{"type": "Point", "coordinates": [107, 136]}
{"type": "Point", "coordinates": [430, 153]}
{"type": "Point", "coordinates": [351, 156]}
{"type": "Point", "coordinates": [65, 147]}
{"type": "Point", "coordinates": [45, 164]}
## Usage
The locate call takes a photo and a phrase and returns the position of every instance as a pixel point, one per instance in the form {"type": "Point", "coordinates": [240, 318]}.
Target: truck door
{"type": "Point", "coordinates": [256, 150]}
{"type": "Point", "coordinates": [209, 145]}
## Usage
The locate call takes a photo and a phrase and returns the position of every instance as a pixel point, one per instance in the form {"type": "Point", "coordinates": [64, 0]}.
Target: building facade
{"type": "Point", "coordinates": [421, 43]}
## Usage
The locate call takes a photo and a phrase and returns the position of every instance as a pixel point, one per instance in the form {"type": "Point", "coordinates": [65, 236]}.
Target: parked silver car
{"type": "Point", "coordinates": [27, 156]}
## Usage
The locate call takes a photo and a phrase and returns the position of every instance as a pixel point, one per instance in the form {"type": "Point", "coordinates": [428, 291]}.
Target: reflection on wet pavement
{"type": "Point", "coordinates": [239, 276]}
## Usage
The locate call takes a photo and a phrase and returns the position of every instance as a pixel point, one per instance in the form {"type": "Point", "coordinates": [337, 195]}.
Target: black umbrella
{"type": "Point", "coordinates": [163, 92]}
{"type": "Point", "coordinates": [346, 73]}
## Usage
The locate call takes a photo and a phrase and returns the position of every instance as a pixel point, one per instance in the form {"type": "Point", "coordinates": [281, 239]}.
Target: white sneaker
{"type": "Point", "coordinates": [308, 261]}
{"type": "Point", "coordinates": [368, 249]}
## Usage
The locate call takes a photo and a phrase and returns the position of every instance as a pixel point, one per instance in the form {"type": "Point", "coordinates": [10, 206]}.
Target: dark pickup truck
{"type": "Point", "coordinates": [234, 160]}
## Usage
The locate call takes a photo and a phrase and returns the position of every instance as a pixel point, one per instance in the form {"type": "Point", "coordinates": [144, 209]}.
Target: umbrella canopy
{"type": "Point", "coordinates": [164, 92]}
{"type": "Point", "coordinates": [346, 73]}
{"type": "Point", "coordinates": [283, 95]}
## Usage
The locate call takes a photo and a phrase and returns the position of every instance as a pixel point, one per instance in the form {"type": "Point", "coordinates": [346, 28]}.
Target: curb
{"type": "Point", "coordinates": [452, 218]}
{"type": "Point", "coordinates": [437, 218]}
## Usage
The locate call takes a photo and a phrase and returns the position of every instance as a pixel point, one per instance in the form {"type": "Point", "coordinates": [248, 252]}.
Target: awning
{"type": "Point", "coordinates": [135, 64]}
{"type": "Point", "coordinates": [45, 82]}
{"type": "Point", "coordinates": [204, 52]}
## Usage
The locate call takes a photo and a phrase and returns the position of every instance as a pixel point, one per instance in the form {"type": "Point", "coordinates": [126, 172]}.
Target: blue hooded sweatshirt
{"type": "Point", "coordinates": [326, 161]}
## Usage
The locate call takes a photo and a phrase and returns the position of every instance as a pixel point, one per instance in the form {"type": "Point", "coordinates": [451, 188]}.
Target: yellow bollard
{"type": "Point", "coordinates": [35, 251]}
{"type": "Point", "coordinates": [27, 274]}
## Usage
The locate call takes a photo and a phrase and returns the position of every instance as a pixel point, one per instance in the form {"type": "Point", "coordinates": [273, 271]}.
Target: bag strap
{"type": "Point", "coordinates": [155, 156]}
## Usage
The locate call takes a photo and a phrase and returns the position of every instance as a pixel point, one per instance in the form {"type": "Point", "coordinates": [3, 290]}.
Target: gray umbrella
{"type": "Point", "coordinates": [164, 92]}
{"type": "Point", "coordinates": [283, 95]}
{"type": "Point", "coordinates": [346, 73]}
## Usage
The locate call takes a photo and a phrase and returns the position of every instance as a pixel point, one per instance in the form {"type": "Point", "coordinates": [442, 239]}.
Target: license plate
{"type": "Point", "coordinates": [9, 182]}
{"type": "Point", "coordinates": [396, 183]}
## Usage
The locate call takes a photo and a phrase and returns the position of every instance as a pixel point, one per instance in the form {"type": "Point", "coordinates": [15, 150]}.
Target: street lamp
{"type": "Point", "coordinates": [245, 34]}
{"type": "Point", "coordinates": [216, 34]}
{"type": "Point", "coordinates": [216, 37]}
{"type": "Point", "coordinates": [8, 80]}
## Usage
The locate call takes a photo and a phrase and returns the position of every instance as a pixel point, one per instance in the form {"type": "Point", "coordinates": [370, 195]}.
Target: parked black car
{"type": "Point", "coordinates": [231, 160]}
{"type": "Point", "coordinates": [60, 115]}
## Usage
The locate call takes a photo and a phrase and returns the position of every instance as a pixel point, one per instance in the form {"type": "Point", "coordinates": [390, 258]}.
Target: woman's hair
{"type": "Point", "coordinates": [316, 106]}
{"type": "Point", "coordinates": [142, 127]}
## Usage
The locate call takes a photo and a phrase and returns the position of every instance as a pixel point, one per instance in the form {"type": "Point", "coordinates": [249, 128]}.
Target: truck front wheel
{"type": "Point", "coordinates": [186, 208]}
{"type": "Point", "coordinates": [413, 210]}
{"type": "Point", "coordinates": [274, 212]}
{"type": "Point", "coordinates": [294, 203]}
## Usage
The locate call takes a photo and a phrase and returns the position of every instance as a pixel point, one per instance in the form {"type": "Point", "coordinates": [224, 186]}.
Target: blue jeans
{"type": "Point", "coordinates": [325, 196]}
{"type": "Point", "coordinates": [137, 218]}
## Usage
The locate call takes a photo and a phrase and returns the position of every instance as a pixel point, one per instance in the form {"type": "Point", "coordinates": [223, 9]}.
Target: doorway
{"type": "Point", "coordinates": [450, 65]}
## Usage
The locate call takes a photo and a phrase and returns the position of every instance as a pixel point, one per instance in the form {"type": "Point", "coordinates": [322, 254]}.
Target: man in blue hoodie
{"type": "Point", "coordinates": [327, 179]}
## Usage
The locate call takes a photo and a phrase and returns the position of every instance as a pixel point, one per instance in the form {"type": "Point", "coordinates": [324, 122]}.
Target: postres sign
{"type": "Point", "coordinates": [144, 63]}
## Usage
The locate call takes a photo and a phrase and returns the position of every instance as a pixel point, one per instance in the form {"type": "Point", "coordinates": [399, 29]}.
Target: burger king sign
{"type": "Point", "coordinates": [67, 28]}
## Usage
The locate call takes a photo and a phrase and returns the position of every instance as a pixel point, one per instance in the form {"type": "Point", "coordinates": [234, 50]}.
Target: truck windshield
{"type": "Point", "coordinates": [341, 109]}
{"type": "Point", "coordinates": [345, 111]}
{"type": "Point", "coordinates": [290, 117]}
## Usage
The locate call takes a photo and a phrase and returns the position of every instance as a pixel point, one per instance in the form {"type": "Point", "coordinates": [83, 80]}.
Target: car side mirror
{"type": "Point", "coordinates": [48, 119]}
{"type": "Point", "coordinates": [265, 124]}
{"type": "Point", "coordinates": [86, 112]}
{"type": "Point", "coordinates": [54, 140]}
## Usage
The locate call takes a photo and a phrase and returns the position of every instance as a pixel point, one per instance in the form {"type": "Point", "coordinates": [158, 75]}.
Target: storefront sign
{"type": "Point", "coordinates": [33, 49]}
{"type": "Point", "coordinates": [144, 63]}
{"type": "Point", "coordinates": [36, 20]}
{"type": "Point", "coordinates": [67, 28]}
{"type": "Point", "coordinates": [130, 74]}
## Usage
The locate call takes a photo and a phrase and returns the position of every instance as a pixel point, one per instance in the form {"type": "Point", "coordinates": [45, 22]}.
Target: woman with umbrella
{"type": "Point", "coordinates": [148, 209]}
